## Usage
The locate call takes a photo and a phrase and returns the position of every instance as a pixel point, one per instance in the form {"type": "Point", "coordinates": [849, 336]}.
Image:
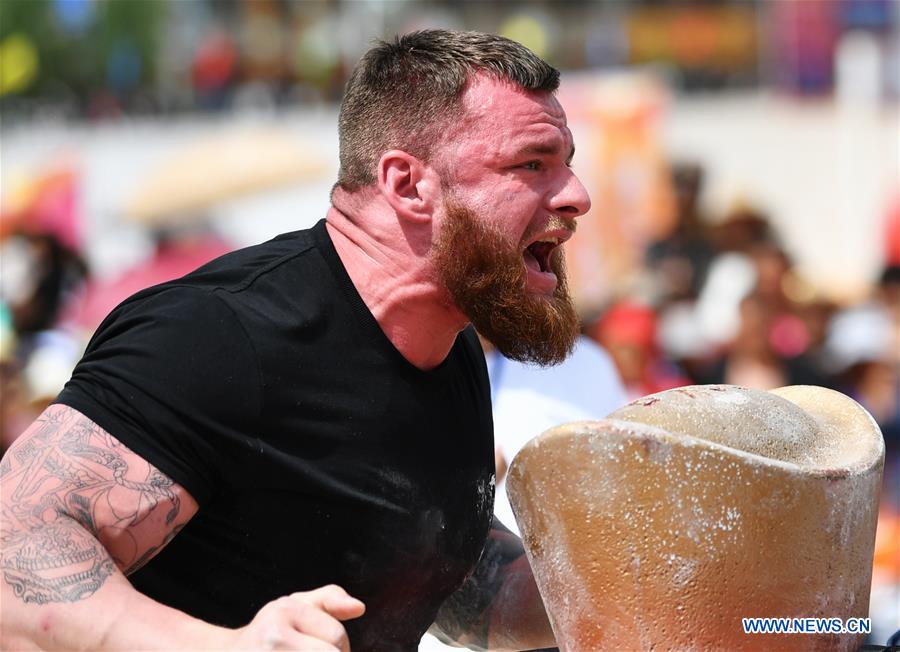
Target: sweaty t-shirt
{"type": "Point", "coordinates": [263, 385]}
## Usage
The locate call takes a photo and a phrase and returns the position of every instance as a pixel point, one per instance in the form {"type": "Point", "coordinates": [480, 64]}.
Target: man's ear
{"type": "Point", "coordinates": [410, 186]}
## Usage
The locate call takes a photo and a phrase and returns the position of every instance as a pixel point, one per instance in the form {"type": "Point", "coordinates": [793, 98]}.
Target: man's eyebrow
{"type": "Point", "coordinates": [545, 149]}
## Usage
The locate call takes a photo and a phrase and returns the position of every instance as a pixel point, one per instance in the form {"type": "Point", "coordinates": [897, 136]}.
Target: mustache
{"type": "Point", "coordinates": [554, 223]}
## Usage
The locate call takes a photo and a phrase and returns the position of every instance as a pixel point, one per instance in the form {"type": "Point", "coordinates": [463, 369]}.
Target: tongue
{"type": "Point", "coordinates": [530, 261]}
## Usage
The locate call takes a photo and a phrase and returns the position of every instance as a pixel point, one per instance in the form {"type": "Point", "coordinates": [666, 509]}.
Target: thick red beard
{"type": "Point", "coordinates": [486, 279]}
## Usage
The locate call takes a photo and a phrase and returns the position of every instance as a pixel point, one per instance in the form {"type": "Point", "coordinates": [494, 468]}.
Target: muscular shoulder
{"type": "Point", "coordinates": [174, 375]}
{"type": "Point", "coordinates": [247, 271]}
{"type": "Point", "coordinates": [283, 285]}
{"type": "Point", "coordinates": [239, 269]}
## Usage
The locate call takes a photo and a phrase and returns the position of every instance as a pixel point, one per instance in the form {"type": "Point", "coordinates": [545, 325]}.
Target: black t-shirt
{"type": "Point", "coordinates": [263, 385]}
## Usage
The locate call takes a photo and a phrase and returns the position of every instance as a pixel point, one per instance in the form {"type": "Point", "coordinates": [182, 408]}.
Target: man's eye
{"type": "Point", "coordinates": [532, 165]}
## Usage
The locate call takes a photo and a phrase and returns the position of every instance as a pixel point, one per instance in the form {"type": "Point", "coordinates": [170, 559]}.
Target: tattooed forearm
{"type": "Point", "coordinates": [466, 615]}
{"type": "Point", "coordinates": [77, 505]}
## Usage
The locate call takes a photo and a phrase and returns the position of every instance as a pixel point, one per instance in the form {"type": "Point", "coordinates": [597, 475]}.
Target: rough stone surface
{"type": "Point", "coordinates": [662, 526]}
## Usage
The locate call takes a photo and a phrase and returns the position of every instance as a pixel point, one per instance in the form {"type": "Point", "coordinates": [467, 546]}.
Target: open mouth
{"type": "Point", "coordinates": [537, 254]}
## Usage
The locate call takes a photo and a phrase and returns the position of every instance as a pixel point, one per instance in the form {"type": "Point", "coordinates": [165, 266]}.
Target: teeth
{"type": "Point", "coordinates": [550, 240]}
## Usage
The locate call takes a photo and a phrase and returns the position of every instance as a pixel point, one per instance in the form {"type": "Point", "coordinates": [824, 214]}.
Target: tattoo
{"type": "Point", "coordinates": [152, 550]}
{"type": "Point", "coordinates": [77, 505]}
{"type": "Point", "coordinates": [466, 615]}
{"type": "Point", "coordinates": [59, 562]}
{"type": "Point", "coordinates": [5, 466]}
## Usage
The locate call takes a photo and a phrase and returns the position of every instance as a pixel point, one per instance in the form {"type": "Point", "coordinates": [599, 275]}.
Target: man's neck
{"type": "Point", "coordinates": [391, 269]}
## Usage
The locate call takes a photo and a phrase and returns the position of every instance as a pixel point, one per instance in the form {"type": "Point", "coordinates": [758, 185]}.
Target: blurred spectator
{"type": "Point", "coordinates": [815, 316]}
{"type": "Point", "coordinates": [213, 68]}
{"type": "Point", "coordinates": [741, 229]}
{"type": "Point", "coordinates": [628, 332]}
{"type": "Point", "coordinates": [680, 261]}
{"type": "Point", "coordinates": [768, 351]}
{"type": "Point", "coordinates": [863, 354]}
{"type": "Point", "coordinates": [16, 413]}
{"type": "Point", "coordinates": [772, 265]}
{"type": "Point", "coordinates": [39, 275]}
{"type": "Point", "coordinates": [888, 290]}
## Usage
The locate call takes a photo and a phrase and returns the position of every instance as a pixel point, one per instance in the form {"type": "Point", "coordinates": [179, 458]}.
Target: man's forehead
{"type": "Point", "coordinates": [502, 113]}
{"type": "Point", "coordinates": [486, 96]}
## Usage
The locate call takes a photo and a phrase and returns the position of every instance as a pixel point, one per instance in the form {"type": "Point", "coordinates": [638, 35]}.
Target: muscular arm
{"type": "Point", "coordinates": [78, 512]}
{"type": "Point", "coordinates": [499, 607]}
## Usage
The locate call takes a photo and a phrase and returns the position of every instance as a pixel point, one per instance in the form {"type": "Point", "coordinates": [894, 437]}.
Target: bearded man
{"type": "Point", "coordinates": [309, 419]}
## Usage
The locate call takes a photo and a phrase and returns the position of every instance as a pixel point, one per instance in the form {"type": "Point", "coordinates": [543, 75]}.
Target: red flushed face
{"type": "Point", "coordinates": [509, 162]}
{"type": "Point", "coordinates": [510, 200]}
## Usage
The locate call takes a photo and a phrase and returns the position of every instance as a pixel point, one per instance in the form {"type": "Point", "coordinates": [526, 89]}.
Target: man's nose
{"type": "Point", "coordinates": [571, 199]}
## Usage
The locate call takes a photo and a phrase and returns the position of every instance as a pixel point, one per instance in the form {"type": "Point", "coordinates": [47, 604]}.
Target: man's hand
{"type": "Point", "coordinates": [302, 621]}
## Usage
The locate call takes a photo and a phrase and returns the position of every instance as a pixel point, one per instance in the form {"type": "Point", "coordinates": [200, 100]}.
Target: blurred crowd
{"type": "Point", "coordinates": [105, 59]}
{"type": "Point", "coordinates": [721, 301]}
